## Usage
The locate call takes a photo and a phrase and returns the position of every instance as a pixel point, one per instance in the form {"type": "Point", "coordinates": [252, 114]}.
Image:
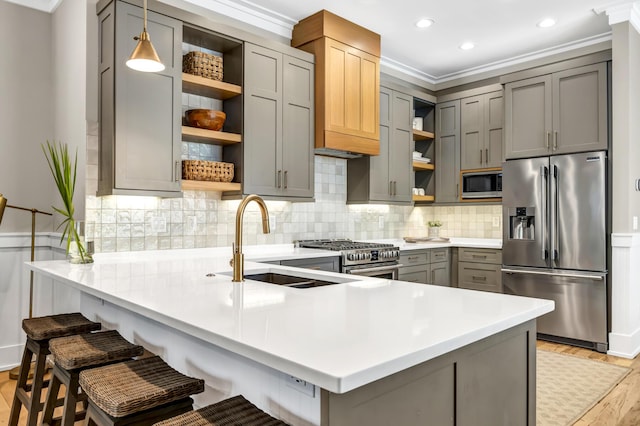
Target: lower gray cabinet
{"type": "Point", "coordinates": [330, 264]}
{"type": "Point", "coordinates": [429, 266]}
{"type": "Point", "coordinates": [278, 135]}
{"type": "Point", "coordinates": [480, 269]}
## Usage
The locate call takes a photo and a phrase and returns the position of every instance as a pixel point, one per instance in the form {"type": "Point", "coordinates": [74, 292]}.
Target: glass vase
{"type": "Point", "coordinates": [77, 250]}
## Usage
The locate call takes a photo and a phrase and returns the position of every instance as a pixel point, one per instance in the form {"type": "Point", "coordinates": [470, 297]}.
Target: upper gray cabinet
{"type": "Point", "coordinates": [482, 120]}
{"type": "Point", "coordinates": [388, 177]}
{"type": "Point", "coordinates": [448, 152]}
{"type": "Point", "coordinates": [558, 113]}
{"type": "Point", "coordinates": [278, 157]}
{"type": "Point", "coordinates": [140, 116]}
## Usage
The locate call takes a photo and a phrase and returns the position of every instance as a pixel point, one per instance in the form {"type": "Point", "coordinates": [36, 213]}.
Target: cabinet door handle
{"type": "Point", "coordinates": [433, 275]}
{"type": "Point", "coordinates": [176, 171]}
{"type": "Point", "coordinates": [477, 278]}
{"type": "Point", "coordinates": [279, 179]}
{"type": "Point", "coordinates": [548, 139]}
{"type": "Point", "coordinates": [457, 189]}
{"type": "Point", "coordinates": [285, 179]}
{"type": "Point", "coordinates": [395, 187]}
{"type": "Point", "coordinates": [555, 140]}
{"type": "Point", "coordinates": [481, 156]}
{"type": "Point", "coordinates": [486, 155]}
{"type": "Point", "coordinates": [390, 187]}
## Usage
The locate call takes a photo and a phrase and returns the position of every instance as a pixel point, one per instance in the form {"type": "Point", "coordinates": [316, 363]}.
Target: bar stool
{"type": "Point", "coordinates": [140, 392]}
{"type": "Point", "coordinates": [233, 411]}
{"type": "Point", "coordinates": [39, 331]}
{"type": "Point", "coordinates": [74, 354]}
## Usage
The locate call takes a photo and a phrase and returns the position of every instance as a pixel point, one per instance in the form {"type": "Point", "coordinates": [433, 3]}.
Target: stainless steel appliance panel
{"type": "Point", "coordinates": [526, 185]}
{"type": "Point", "coordinates": [577, 211]}
{"type": "Point", "coordinates": [580, 298]}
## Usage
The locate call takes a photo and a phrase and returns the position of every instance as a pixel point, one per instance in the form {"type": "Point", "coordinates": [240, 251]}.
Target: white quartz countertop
{"type": "Point", "coordinates": [338, 337]}
{"type": "Point", "coordinates": [489, 243]}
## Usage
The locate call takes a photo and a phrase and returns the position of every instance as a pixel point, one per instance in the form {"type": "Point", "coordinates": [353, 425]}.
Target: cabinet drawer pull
{"type": "Point", "coordinates": [478, 278]}
{"type": "Point", "coordinates": [479, 256]}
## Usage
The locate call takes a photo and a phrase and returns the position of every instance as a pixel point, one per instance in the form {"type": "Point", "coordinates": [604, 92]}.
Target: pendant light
{"type": "Point", "coordinates": [144, 57]}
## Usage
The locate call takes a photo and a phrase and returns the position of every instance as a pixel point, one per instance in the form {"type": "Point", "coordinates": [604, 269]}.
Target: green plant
{"type": "Point", "coordinates": [64, 174]}
{"type": "Point", "coordinates": [434, 223]}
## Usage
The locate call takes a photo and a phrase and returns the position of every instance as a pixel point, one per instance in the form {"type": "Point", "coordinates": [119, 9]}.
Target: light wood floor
{"type": "Point", "coordinates": [621, 407]}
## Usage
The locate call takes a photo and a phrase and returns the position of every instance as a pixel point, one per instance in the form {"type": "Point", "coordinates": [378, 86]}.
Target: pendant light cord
{"type": "Point", "coordinates": [144, 8]}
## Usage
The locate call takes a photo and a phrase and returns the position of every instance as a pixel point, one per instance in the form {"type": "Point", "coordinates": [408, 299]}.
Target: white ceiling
{"type": "Point", "coordinates": [503, 31]}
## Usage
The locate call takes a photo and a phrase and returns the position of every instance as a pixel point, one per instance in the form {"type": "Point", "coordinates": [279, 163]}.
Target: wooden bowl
{"type": "Point", "coordinates": [205, 118]}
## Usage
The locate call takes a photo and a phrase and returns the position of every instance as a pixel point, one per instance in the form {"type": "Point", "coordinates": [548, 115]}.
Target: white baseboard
{"type": "Point", "coordinates": [10, 356]}
{"type": "Point", "coordinates": [624, 345]}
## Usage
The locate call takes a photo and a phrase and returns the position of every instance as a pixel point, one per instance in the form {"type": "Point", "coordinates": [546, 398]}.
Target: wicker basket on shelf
{"type": "Point", "coordinates": [203, 64]}
{"type": "Point", "coordinates": [210, 171]}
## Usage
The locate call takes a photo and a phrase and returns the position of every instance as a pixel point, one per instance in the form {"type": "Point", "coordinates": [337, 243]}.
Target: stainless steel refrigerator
{"type": "Point", "coordinates": [555, 242]}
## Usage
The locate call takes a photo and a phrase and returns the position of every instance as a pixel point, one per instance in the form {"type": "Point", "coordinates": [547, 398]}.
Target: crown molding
{"type": "Point", "coordinates": [493, 66]}
{"type": "Point", "coordinates": [48, 6]}
{"type": "Point", "coordinates": [622, 11]}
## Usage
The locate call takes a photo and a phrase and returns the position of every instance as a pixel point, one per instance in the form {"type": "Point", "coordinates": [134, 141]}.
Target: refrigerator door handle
{"type": "Point", "coordinates": [555, 274]}
{"type": "Point", "coordinates": [554, 220]}
{"type": "Point", "coordinates": [543, 199]}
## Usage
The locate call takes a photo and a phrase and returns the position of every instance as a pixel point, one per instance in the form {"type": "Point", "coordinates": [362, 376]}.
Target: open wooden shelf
{"type": "Point", "coordinates": [430, 198]}
{"type": "Point", "coordinates": [196, 185]}
{"type": "Point", "coordinates": [195, 134]}
{"type": "Point", "coordinates": [418, 165]}
{"type": "Point", "coordinates": [201, 86]}
{"type": "Point", "coordinates": [420, 135]}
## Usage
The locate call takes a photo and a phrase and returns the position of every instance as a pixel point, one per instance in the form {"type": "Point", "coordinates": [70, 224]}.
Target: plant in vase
{"type": "Point", "coordinates": [64, 174]}
{"type": "Point", "coordinates": [434, 228]}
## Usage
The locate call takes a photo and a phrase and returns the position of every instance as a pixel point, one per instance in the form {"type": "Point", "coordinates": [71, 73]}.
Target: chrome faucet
{"type": "Point", "coordinates": [238, 258]}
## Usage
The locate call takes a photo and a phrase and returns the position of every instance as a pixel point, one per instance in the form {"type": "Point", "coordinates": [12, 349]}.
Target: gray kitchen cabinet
{"type": "Point", "coordinates": [140, 117]}
{"type": "Point", "coordinates": [388, 177]}
{"type": "Point", "coordinates": [480, 269]}
{"type": "Point", "coordinates": [482, 118]}
{"type": "Point", "coordinates": [331, 264]}
{"type": "Point", "coordinates": [429, 266]}
{"type": "Point", "coordinates": [440, 267]}
{"type": "Point", "coordinates": [278, 124]}
{"type": "Point", "coordinates": [448, 152]}
{"type": "Point", "coordinates": [558, 113]}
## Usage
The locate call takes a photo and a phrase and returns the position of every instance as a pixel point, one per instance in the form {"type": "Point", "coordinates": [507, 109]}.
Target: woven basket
{"type": "Point", "coordinates": [211, 171]}
{"type": "Point", "coordinates": [203, 64]}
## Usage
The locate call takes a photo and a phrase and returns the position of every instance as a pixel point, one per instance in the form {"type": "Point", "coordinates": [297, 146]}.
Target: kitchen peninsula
{"type": "Point", "coordinates": [364, 351]}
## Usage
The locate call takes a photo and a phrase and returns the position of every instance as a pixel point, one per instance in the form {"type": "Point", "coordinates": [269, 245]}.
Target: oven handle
{"type": "Point", "coordinates": [375, 269]}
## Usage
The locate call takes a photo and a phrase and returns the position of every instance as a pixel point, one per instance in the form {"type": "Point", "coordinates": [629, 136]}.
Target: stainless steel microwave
{"type": "Point", "coordinates": [482, 184]}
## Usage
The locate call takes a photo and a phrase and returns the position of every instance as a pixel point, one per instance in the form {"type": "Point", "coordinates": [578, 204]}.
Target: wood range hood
{"type": "Point", "coordinates": [347, 85]}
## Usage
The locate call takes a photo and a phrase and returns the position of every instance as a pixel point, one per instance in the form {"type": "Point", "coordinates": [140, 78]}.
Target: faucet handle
{"type": "Point", "coordinates": [231, 262]}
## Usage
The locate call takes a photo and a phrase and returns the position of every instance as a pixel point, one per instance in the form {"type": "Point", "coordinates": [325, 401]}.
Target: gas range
{"type": "Point", "coordinates": [359, 257]}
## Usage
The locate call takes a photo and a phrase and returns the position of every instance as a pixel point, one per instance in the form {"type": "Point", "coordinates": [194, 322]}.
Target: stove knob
{"type": "Point", "coordinates": [383, 254]}
{"type": "Point", "coordinates": [351, 256]}
{"type": "Point", "coordinates": [367, 256]}
{"type": "Point", "coordinates": [360, 256]}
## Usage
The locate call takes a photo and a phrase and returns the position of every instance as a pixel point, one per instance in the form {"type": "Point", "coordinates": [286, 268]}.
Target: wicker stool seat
{"type": "Point", "coordinates": [235, 411]}
{"type": "Point", "coordinates": [72, 354]}
{"type": "Point", "coordinates": [142, 391]}
{"type": "Point", "coordinates": [39, 330]}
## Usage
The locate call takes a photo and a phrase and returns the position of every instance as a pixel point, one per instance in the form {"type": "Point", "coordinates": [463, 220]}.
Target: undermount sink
{"type": "Point", "coordinates": [289, 280]}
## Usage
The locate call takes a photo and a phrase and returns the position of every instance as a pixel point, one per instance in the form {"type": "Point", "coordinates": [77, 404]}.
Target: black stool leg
{"type": "Point", "coordinates": [31, 401]}
{"type": "Point", "coordinates": [52, 396]}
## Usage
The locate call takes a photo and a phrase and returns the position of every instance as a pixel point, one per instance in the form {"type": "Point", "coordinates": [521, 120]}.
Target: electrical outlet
{"type": "Point", "coordinates": [496, 221]}
{"type": "Point", "coordinates": [158, 224]}
{"type": "Point", "coordinates": [301, 385]}
{"type": "Point", "coordinates": [272, 222]}
{"type": "Point", "coordinates": [380, 222]}
{"type": "Point", "coordinates": [635, 223]}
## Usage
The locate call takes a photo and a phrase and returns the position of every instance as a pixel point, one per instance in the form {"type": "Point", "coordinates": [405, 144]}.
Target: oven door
{"type": "Point", "coordinates": [387, 271]}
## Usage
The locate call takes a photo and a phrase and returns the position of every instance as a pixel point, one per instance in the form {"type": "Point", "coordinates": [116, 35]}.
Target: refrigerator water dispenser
{"type": "Point", "coordinates": [521, 223]}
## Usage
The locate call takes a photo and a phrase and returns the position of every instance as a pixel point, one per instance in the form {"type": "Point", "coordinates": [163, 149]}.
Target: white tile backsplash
{"type": "Point", "coordinates": [124, 223]}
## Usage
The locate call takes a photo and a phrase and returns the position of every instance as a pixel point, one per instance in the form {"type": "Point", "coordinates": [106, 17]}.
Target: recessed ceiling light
{"type": "Point", "coordinates": [467, 46]}
{"type": "Point", "coordinates": [546, 23]}
{"type": "Point", "coordinates": [425, 23]}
